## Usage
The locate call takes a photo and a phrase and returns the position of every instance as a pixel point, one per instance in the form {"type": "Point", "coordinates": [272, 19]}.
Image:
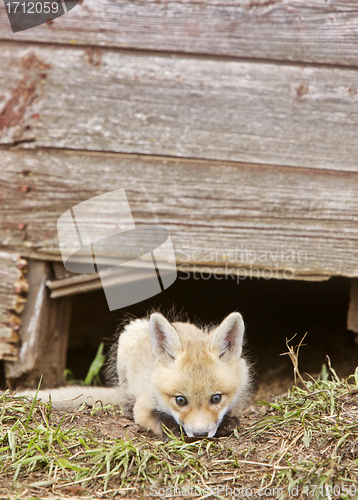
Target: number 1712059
{"type": "Point", "coordinates": [32, 7]}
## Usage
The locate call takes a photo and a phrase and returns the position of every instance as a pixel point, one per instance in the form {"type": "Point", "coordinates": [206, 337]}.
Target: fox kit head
{"type": "Point", "coordinates": [200, 376]}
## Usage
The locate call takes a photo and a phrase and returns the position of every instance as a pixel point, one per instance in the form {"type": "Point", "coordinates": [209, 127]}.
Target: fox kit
{"type": "Point", "coordinates": [172, 370]}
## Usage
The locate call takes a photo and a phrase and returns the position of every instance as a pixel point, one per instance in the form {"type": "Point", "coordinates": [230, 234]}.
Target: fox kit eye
{"type": "Point", "coordinates": [180, 400]}
{"type": "Point", "coordinates": [216, 399]}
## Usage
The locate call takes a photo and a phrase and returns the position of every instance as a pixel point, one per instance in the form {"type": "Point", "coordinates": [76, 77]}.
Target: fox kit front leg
{"type": "Point", "coordinates": [145, 416]}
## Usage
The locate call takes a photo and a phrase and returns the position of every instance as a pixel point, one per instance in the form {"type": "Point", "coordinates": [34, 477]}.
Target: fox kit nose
{"type": "Point", "coordinates": [200, 434]}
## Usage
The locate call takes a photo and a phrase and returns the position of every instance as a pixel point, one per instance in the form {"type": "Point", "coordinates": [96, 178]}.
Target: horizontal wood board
{"type": "Point", "coordinates": [317, 31]}
{"type": "Point", "coordinates": [179, 106]}
{"type": "Point", "coordinates": [247, 216]}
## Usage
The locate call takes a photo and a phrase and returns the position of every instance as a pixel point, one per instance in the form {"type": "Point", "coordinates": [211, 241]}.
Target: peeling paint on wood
{"type": "Point", "coordinates": [21, 92]}
{"type": "Point", "coordinates": [13, 292]}
{"type": "Point", "coordinates": [185, 107]}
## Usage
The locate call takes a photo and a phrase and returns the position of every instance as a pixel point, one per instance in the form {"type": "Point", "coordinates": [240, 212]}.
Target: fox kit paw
{"type": "Point", "coordinates": [153, 419]}
{"type": "Point", "coordinates": [168, 422]}
{"type": "Point", "coordinates": [228, 424]}
{"type": "Point", "coordinates": [145, 416]}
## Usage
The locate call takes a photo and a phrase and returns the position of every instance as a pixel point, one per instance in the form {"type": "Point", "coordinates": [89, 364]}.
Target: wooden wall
{"type": "Point", "coordinates": [233, 124]}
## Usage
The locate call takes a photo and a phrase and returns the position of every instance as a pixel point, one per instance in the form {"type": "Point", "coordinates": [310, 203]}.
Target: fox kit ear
{"type": "Point", "coordinates": [228, 336]}
{"type": "Point", "coordinates": [164, 338]}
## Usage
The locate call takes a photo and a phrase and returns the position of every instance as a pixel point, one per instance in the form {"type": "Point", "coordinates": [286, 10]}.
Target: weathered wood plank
{"type": "Point", "coordinates": [352, 318]}
{"type": "Point", "coordinates": [13, 290]}
{"type": "Point", "coordinates": [295, 30]}
{"type": "Point", "coordinates": [44, 335]}
{"type": "Point", "coordinates": [239, 216]}
{"type": "Point", "coordinates": [74, 285]}
{"type": "Point", "coordinates": [183, 107]}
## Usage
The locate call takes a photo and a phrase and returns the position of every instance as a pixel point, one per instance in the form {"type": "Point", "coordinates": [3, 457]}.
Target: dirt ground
{"type": "Point", "coordinates": [114, 426]}
{"type": "Point", "coordinates": [238, 465]}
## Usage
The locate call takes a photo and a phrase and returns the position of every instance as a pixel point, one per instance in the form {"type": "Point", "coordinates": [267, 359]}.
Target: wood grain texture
{"type": "Point", "coordinates": [179, 106]}
{"type": "Point", "coordinates": [291, 30]}
{"type": "Point", "coordinates": [13, 290]}
{"type": "Point", "coordinates": [233, 215]}
{"type": "Point", "coordinates": [44, 335]}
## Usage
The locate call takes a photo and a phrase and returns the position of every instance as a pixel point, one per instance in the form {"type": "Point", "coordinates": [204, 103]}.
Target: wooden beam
{"type": "Point", "coordinates": [13, 291]}
{"type": "Point", "coordinates": [83, 283]}
{"type": "Point", "coordinates": [293, 30]}
{"type": "Point", "coordinates": [247, 217]}
{"type": "Point", "coordinates": [44, 335]}
{"type": "Point", "coordinates": [179, 106]}
{"type": "Point", "coordinates": [352, 319]}
{"type": "Point", "coordinates": [80, 283]}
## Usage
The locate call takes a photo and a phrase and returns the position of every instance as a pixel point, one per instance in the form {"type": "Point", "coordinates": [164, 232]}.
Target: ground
{"type": "Point", "coordinates": [299, 445]}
